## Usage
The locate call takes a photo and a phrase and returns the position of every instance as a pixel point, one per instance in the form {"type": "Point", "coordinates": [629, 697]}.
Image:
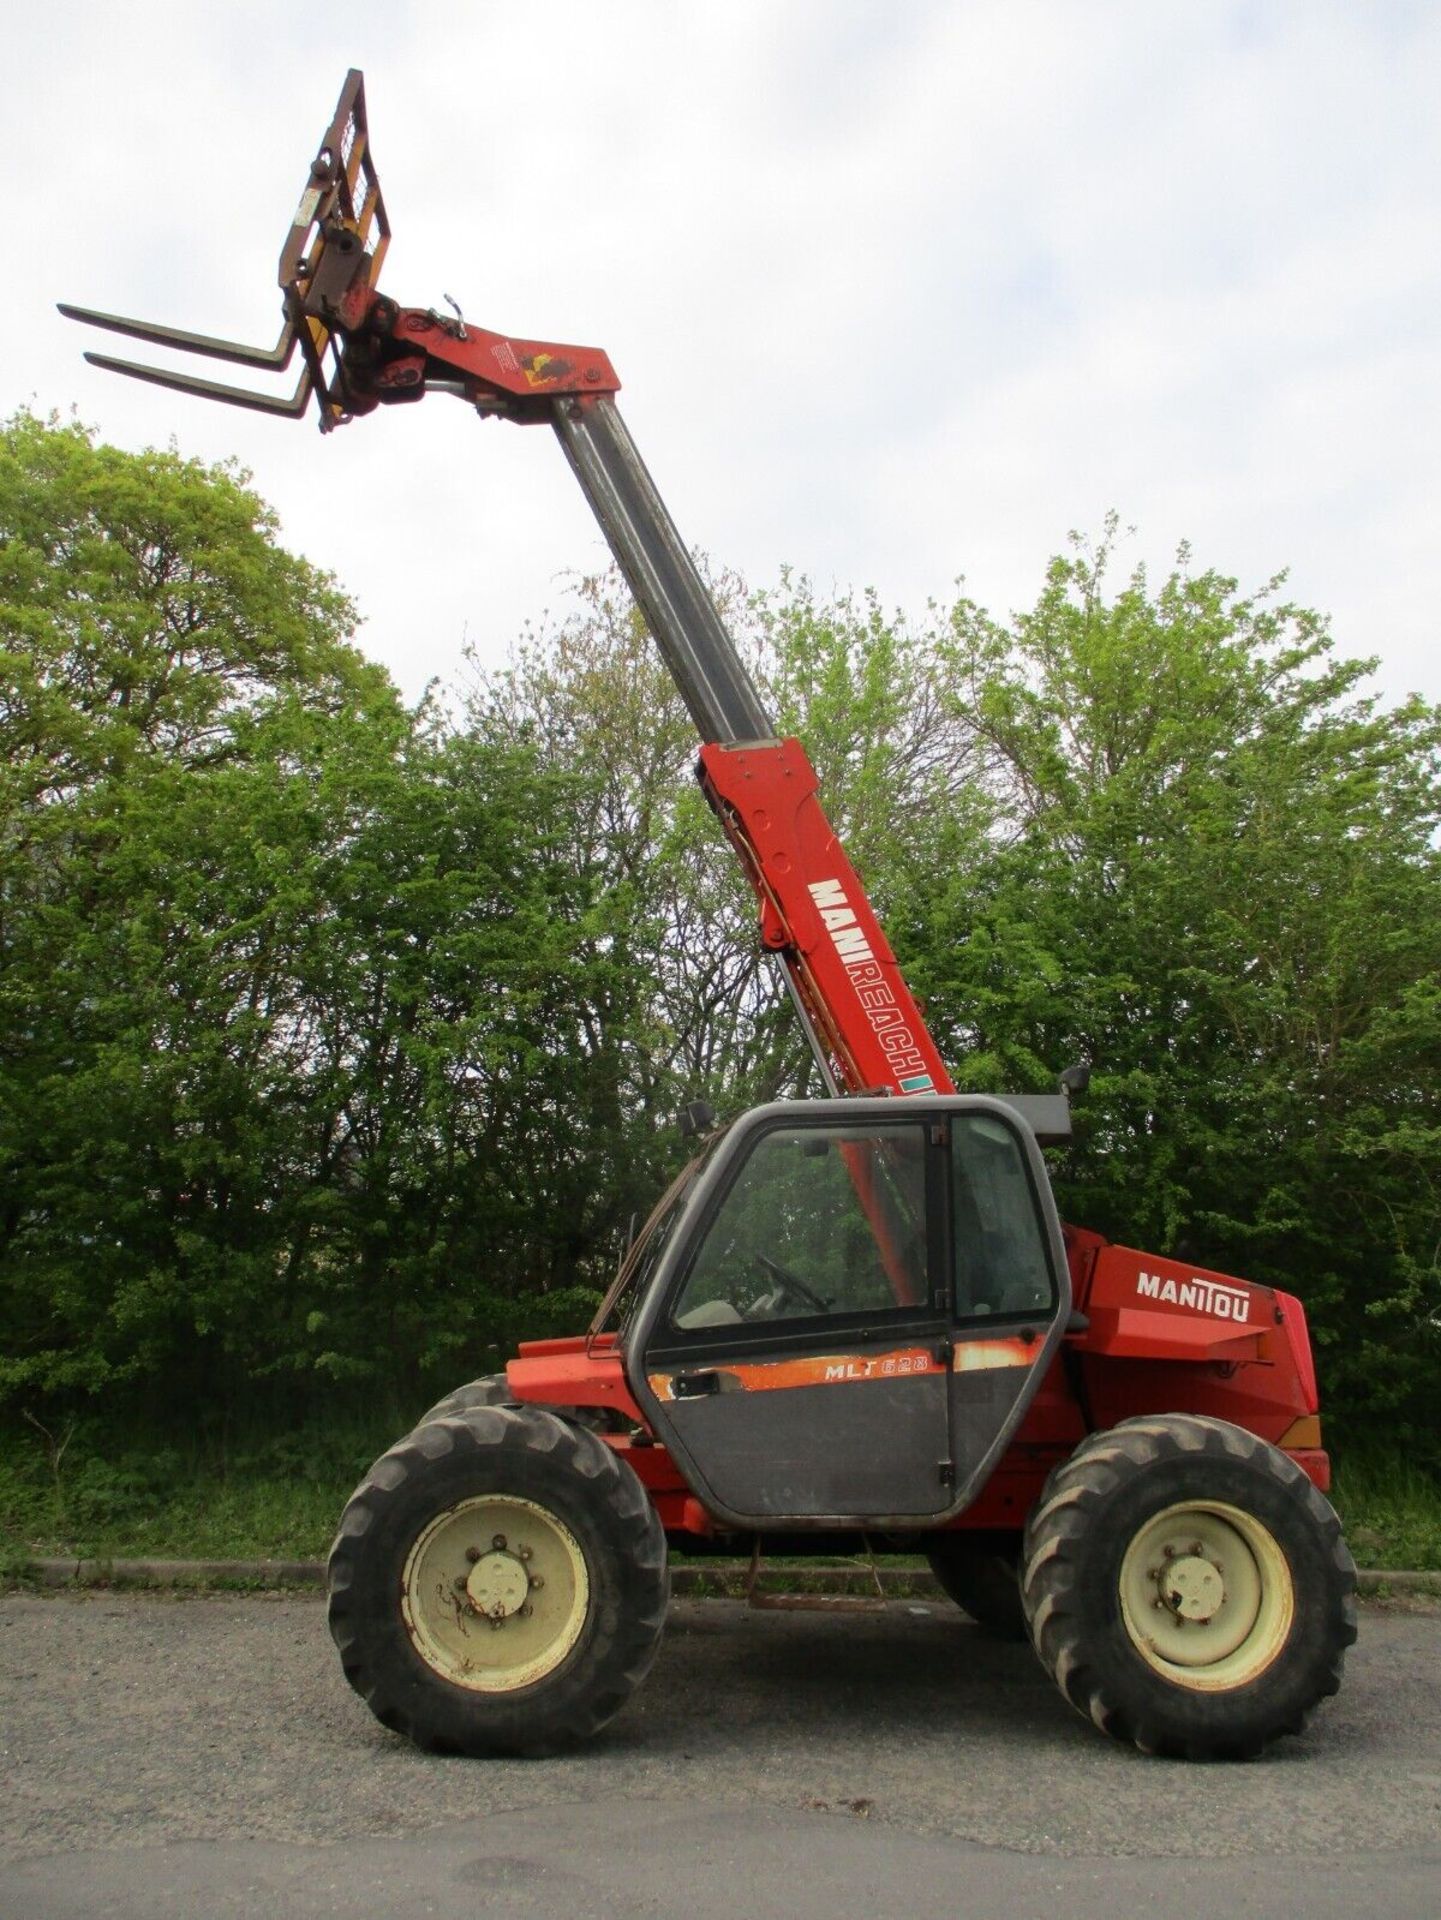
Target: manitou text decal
{"type": "Point", "coordinates": [1205, 1296]}
{"type": "Point", "coordinates": [872, 989]}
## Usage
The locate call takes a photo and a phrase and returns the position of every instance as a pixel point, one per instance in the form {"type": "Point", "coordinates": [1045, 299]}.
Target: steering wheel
{"type": "Point", "coordinates": [790, 1285]}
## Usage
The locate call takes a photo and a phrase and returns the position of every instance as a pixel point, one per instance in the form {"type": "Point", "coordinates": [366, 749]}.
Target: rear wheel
{"type": "Point", "coordinates": [983, 1579]}
{"type": "Point", "coordinates": [498, 1584]}
{"type": "Point", "coordinates": [1188, 1588]}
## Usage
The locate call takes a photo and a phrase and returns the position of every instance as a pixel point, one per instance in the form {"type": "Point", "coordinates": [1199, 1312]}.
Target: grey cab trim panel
{"type": "Point", "coordinates": [706, 1191]}
{"type": "Point", "coordinates": [1048, 1115]}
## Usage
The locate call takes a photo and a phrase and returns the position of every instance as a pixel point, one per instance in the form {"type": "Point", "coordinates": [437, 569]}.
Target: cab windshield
{"type": "Point", "coordinates": [643, 1255]}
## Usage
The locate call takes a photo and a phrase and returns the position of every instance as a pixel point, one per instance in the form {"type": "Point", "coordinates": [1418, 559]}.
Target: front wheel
{"type": "Point", "coordinates": [498, 1583]}
{"type": "Point", "coordinates": [491, 1390]}
{"type": "Point", "coordinates": [1188, 1588]}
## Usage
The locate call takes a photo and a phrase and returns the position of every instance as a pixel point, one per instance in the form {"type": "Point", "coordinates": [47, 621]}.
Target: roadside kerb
{"type": "Point", "coordinates": [718, 1578]}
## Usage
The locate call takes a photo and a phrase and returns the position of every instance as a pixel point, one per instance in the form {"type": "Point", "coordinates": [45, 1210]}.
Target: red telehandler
{"type": "Point", "coordinates": [851, 1322]}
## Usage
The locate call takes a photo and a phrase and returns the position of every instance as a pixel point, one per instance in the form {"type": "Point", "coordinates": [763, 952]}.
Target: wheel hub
{"type": "Point", "coordinates": [495, 1593]}
{"type": "Point", "coordinates": [1206, 1595]}
{"type": "Point", "coordinates": [498, 1585]}
{"type": "Point", "coordinates": [1192, 1587]}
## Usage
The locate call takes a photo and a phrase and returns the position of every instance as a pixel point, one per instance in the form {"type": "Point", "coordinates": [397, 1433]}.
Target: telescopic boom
{"type": "Point", "coordinates": [360, 351]}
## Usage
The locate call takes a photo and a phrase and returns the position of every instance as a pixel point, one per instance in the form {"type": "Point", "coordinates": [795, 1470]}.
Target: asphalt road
{"type": "Point", "coordinates": [193, 1756]}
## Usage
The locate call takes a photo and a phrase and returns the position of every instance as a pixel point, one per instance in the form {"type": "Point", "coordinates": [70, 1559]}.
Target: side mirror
{"type": "Point", "coordinates": [696, 1117]}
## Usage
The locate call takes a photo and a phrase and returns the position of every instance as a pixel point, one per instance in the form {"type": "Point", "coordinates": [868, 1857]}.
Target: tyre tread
{"type": "Point", "coordinates": [1058, 1531]}
{"type": "Point", "coordinates": [633, 1529]}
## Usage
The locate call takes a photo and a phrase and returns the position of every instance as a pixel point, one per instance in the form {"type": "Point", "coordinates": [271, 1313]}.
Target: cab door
{"type": "Point", "coordinates": [797, 1362]}
{"type": "Point", "coordinates": [1010, 1289]}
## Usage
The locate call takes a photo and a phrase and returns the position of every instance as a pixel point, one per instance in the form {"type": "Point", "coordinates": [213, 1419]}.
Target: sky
{"type": "Point", "coordinates": [898, 292]}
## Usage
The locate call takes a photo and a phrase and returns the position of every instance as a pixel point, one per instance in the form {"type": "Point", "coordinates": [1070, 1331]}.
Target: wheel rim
{"type": "Point", "coordinates": [1206, 1595]}
{"type": "Point", "coordinates": [495, 1593]}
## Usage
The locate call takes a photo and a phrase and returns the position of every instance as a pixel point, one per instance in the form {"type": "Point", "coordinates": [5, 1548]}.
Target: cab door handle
{"type": "Point", "coordinates": [694, 1386]}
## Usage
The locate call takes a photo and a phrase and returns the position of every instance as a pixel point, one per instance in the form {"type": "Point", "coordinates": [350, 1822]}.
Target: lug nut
{"type": "Point", "coordinates": [462, 1585]}
{"type": "Point", "coordinates": [536, 1582]}
{"type": "Point", "coordinates": [498, 1542]}
{"type": "Point", "coordinates": [472, 1554]}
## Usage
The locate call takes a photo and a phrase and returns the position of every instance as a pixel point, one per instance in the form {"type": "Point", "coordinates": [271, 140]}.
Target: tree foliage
{"type": "Point", "coordinates": [877, 705]}
{"type": "Point", "coordinates": [293, 1083]}
{"type": "Point", "coordinates": [338, 1045]}
{"type": "Point", "coordinates": [1212, 872]}
{"type": "Point", "coordinates": [1163, 831]}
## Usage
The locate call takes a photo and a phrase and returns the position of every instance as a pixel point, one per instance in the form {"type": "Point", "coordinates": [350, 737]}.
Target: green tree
{"type": "Point", "coordinates": [147, 611]}
{"type": "Point", "coordinates": [339, 1047]}
{"type": "Point", "coordinates": [1212, 871]}
{"type": "Point", "coordinates": [1162, 831]}
{"type": "Point", "coordinates": [290, 1088]}
{"type": "Point", "coordinates": [877, 703]}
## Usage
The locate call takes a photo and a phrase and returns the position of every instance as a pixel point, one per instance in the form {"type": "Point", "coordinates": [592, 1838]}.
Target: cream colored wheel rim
{"type": "Point", "coordinates": [495, 1593]}
{"type": "Point", "coordinates": [1207, 1596]}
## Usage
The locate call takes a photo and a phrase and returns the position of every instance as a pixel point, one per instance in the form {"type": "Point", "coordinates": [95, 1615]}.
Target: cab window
{"type": "Point", "coordinates": [818, 1222]}
{"type": "Point", "coordinates": [1003, 1266]}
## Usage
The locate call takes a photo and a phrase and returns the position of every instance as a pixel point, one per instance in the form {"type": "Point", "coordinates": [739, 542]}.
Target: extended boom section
{"type": "Point", "coordinates": [668, 588]}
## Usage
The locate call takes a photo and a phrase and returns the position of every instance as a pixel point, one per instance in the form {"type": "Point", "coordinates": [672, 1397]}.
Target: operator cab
{"type": "Point", "coordinates": [851, 1307]}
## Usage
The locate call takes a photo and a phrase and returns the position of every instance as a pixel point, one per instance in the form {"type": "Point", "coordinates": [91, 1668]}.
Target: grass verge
{"type": "Point", "coordinates": [278, 1498]}
{"type": "Point", "coordinates": [274, 1499]}
{"type": "Point", "coordinates": [1391, 1512]}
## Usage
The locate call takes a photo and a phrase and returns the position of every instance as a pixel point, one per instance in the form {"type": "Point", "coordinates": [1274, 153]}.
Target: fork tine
{"type": "Point", "coordinates": [291, 408]}
{"type": "Point", "coordinates": [275, 358]}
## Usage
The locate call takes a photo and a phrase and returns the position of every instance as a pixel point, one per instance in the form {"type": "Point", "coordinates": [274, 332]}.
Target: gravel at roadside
{"type": "Point", "coordinates": [135, 1719]}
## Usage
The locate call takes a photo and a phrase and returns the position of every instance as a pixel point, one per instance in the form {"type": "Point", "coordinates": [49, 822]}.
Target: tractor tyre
{"type": "Point", "coordinates": [1188, 1588]}
{"type": "Point", "coordinates": [498, 1584]}
{"type": "Point", "coordinates": [984, 1581]}
{"type": "Point", "coordinates": [491, 1390]}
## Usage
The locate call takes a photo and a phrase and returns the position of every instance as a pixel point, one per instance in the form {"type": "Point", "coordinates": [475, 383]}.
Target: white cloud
{"type": "Point", "coordinates": [897, 292]}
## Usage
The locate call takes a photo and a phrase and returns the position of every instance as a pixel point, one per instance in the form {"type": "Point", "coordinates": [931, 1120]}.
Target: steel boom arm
{"type": "Point", "coordinates": [864, 1027]}
{"type": "Point", "coordinates": [668, 588]}
{"type": "Point", "coordinates": [359, 351]}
